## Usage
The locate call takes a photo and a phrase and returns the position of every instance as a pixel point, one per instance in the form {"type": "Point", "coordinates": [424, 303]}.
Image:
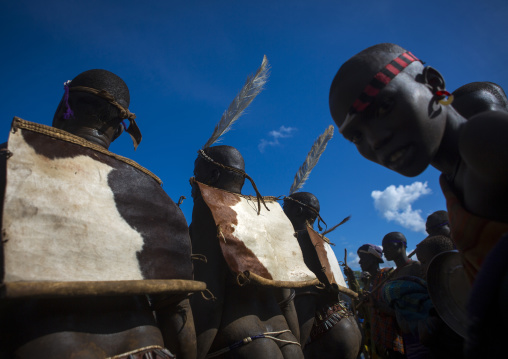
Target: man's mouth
{"type": "Point", "coordinates": [397, 159]}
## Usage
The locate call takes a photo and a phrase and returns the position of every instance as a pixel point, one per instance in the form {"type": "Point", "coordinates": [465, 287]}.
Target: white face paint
{"type": "Point", "coordinates": [270, 236]}
{"type": "Point", "coordinates": [61, 220]}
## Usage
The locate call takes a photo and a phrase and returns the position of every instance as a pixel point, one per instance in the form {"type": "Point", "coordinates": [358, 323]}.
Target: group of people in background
{"type": "Point", "coordinates": [397, 314]}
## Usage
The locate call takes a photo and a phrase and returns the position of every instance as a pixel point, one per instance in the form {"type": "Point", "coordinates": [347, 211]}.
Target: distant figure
{"type": "Point", "coordinates": [433, 331]}
{"type": "Point", "coordinates": [394, 249]}
{"type": "Point", "coordinates": [383, 335]}
{"type": "Point", "coordinates": [404, 283]}
{"type": "Point", "coordinates": [437, 224]}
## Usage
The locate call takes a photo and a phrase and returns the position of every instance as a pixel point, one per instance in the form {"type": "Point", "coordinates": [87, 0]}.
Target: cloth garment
{"type": "Point", "coordinates": [473, 236]}
{"type": "Point", "coordinates": [409, 297]}
{"type": "Point", "coordinates": [384, 328]}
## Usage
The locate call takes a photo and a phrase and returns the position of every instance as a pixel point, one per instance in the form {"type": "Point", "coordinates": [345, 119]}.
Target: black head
{"type": "Point", "coordinates": [301, 208]}
{"type": "Point", "coordinates": [385, 101]}
{"type": "Point", "coordinates": [477, 97]}
{"type": "Point", "coordinates": [394, 245]}
{"type": "Point", "coordinates": [208, 169]}
{"type": "Point", "coordinates": [93, 117]}
{"type": "Point", "coordinates": [437, 224]}
{"type": "Point", "coordinates": [431, 247]}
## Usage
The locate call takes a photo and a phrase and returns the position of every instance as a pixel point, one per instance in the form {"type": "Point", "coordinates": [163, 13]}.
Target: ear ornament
{"type": "Point", "coordinates": [443, 94]}
{"type": "Point", "coordinates": [68, 112]}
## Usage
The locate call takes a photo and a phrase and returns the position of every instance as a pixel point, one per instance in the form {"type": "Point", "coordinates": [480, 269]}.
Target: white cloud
{"type": "Point", "coordinates": [394, 203]}
{"type": "Point", "coordinates": [274, 136]}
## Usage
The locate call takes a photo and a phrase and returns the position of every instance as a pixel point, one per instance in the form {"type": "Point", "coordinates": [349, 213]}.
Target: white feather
{"type": "Point", "coordinates": [312, 159]}
{"type": "Point", "coordinates": [253, 86]}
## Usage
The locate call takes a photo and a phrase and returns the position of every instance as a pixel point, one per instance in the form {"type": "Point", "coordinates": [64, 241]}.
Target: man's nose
{"type": "Point", "coordinates": [379, 139]}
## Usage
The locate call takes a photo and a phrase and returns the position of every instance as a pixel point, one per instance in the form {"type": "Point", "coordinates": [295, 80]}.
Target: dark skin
{"type": "Point", "coordinates": [406, 129]}
{"type": "Point", "coordinates": [344, 339]}
{"type": "Point", "coordinates": [91, 123]}
{"type": "Point", "coordinates": [237, 312]}
{"type": "Point", "coordinates": [394, 249]}
{"type": "Point", "coordinates": [435, 227]}
{"type": "Point", "coordinates": [95, 327]}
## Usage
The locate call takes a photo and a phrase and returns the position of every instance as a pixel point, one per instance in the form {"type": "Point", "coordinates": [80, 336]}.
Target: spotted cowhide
{"type": "Point", "coordinates": [329, 263]}
{"type": "Point", "coordinates": [261, 244]}
{"type": "Point", "coordinates": [74, 212]}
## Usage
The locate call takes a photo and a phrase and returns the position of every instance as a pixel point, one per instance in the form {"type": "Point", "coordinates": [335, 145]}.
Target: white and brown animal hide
{"type": "Point", "coordinates": [75, 212]}
{"type": "Point", "coordinates": [261, 247]}
{"type": "Point", "coordinates": [327, 258]}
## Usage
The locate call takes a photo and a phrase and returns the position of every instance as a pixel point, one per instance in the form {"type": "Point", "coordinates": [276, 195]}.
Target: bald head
{"type": "Point", "coordinates": [208, 170]}
{"type": "Point", "coordinates": [301, 208]}
{"type": "Point", "coordinates": [437, 224]}
{"type": "Point", "coordinates": [478, 97]}
{"type": "Point", "coordinates": [91, 115]}
{"type": "Point", "coordinates": [357, 72]}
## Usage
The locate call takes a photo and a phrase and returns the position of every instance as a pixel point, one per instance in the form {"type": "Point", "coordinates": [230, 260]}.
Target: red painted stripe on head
{"type": "Point", "coordinates": [395, 71]}
{"type": "Point", "coordinates": [373, 89]}
{"type": "Point", "coordinates": [359, 106]}
{"type": "Point", "coordinates": [383, 78]}
{"type": "Point", "coordinates": [401, 62]}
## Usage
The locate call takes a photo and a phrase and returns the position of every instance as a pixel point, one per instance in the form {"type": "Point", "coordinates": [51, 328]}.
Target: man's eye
{"type": "Point", "coordinates": [356, 138]}
{"type": "Point", "coordinates": [385, 107]}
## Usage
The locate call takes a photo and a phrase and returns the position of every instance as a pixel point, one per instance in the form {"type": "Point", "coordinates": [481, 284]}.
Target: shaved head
{"type": "Point", "coordinates": [357, 72]}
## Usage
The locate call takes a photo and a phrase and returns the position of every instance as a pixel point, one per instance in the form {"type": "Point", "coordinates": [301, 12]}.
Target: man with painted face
{"type": "Point", "coordinates": [395, 110]}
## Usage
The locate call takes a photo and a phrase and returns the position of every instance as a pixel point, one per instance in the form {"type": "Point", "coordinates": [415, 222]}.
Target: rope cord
{"type": "Point", "coordinates": [247, 340]}
{"type": "Point", "coordinates": [239, 171]}
{"type": "Point", "coordinates": [124, 113]}
{"type": "Point", "coordinates": [285, 302]}
{"type": "Point", "coordinates": [309, 207]}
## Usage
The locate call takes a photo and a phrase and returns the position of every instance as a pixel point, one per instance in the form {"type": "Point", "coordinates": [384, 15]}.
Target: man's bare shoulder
{"type": "Point", "coordinates": [483, 146]}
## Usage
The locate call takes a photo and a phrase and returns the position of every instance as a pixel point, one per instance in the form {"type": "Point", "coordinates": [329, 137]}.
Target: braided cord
{"type": "Point", "coordinates": [239, 171]}
{"type": "Point", "coordinates": [247, 340]}
{"type": "Point", "coordinates": [125, 113]}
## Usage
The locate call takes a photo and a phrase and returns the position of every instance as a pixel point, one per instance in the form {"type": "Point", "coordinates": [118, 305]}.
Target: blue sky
{"type": "Point", "coordinates": [185, 61]}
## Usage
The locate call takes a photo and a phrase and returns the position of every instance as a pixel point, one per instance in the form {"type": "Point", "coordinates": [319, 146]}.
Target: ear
{"type": "Point", "coordinates": [299, 210]}
{"type": "Point", "coordinates": [433, 79]}
{"type": "Point", "coordinates": [214, 176]}
{"type": "Point", "coordinates": [118, 132]}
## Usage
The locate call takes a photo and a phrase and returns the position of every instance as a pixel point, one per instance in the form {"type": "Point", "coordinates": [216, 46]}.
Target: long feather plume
{"type": "Point", "coordinates": [253, 86]}
{"type": "Point", "coordinates": [337, 225]}
{"type": "Point", "coordinates": [312, 159]}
